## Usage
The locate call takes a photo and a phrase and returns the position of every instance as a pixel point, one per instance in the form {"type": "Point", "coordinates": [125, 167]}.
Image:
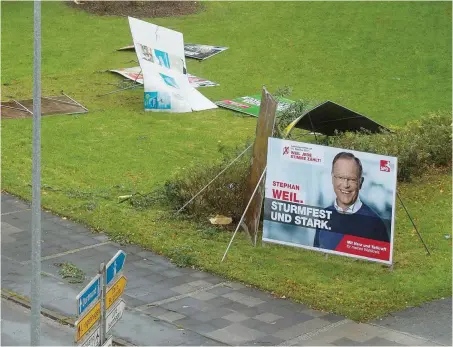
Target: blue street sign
{"type": "Point", "coordinates": [114, 266]}
{"type": "Point", "coordinates": [89, 294]}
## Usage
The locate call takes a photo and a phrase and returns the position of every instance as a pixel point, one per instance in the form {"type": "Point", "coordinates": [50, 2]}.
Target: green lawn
{"type": "Point", "coordinates": [388, 60]}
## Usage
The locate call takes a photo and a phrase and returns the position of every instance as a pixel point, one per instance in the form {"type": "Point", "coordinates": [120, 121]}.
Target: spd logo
{"type": "Point", "coordinates": [385, 165]}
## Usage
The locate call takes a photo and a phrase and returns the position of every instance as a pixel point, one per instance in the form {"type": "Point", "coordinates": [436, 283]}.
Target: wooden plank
{"type": "Point", "coordinates": [264, 129]}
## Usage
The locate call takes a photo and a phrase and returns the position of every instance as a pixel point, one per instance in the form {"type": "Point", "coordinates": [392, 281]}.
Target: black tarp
{"type": "Point", "coordinates": [329, 117]}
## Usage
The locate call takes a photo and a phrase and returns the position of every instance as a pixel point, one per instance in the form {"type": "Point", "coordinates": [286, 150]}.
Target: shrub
{"type": "Point", "coordinates": [419, 146]}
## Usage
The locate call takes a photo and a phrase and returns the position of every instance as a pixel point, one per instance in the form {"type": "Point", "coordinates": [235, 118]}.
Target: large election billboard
{"type": "Point", "coordinates": [330, 199]}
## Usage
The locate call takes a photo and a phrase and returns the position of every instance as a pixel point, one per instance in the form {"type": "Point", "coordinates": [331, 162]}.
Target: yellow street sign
{"type": "Point", "coordinates": [84, 324]}
{"type": "Point", "coordinates": [115, 291]}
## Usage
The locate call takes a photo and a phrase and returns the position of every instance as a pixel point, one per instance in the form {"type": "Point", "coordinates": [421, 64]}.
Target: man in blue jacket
{"type": "Point", "coordinates": [350, 215]}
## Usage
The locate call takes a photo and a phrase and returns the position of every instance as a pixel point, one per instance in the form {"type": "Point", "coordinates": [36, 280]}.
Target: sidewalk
{"type": "Point", "coordinates": [167, 305]}
{"type": "Point", "coordinates": [16, 328]}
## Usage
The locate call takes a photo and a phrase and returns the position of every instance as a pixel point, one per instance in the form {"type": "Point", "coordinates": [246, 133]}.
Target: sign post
{"type": "Point", "coordinates": [99, 304]}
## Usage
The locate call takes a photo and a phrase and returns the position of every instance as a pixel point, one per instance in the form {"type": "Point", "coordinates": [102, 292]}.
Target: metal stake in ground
{"type": "Point", "coordinates": [243, 215]}
{"type": "Point", "coordinates": [35, 316]}
{"type": "Point", "coordinates": [415, 227]}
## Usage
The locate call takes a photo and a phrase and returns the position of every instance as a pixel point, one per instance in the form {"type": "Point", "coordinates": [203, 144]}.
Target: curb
{"type": "Point", "coordinates": [25, 302]}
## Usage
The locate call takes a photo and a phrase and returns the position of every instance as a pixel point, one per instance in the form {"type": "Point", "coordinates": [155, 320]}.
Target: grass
{"type": "Point", "coordinates": [388, 60]}
{"type": "Point", "coordinates": [69, 270]}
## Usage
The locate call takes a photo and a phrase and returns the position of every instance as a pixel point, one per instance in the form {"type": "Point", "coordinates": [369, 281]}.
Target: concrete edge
{"type": "Point", "coordinates": [55, 316]}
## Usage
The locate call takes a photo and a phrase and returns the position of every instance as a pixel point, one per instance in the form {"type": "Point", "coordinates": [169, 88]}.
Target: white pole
{"type": "Point", "coordinates": [35, 317]}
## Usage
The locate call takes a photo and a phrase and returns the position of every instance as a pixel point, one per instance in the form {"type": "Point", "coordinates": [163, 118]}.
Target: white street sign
{"type": "Point", "coordinates": [114, 315]}
{"type": "Point", "coordinates": [94, 339]}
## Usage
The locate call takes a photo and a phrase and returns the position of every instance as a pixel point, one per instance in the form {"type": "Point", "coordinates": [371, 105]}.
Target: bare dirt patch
{"type": "Point", "coordinates": [138, 9]}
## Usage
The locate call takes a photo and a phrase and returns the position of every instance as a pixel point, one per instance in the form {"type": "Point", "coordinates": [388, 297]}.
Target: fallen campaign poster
{"type": "Point", "coordinates": [135, 74]}
{"type": "Point", "coordinates": [201, 52]}
{"type": "Point", "coordinates": [160, 53]}
{"type": "Point", "coordinates": [251, 104]}
{"type": "Point", "coordinates": [329, 199]}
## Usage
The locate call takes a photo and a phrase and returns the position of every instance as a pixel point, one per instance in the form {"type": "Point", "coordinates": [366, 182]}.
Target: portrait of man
{"type": "Point", "coordinates": [350, 215]}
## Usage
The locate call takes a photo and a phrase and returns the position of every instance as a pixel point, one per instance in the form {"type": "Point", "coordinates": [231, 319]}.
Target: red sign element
{"type": "Point", "coordinates": [385, 165]}
{"type": "Point", "coordinates": [364, 247]}
{"type": "Point", "coordinates": [285, 150]}
{"type": "Point", "coordinates": [234, 103]}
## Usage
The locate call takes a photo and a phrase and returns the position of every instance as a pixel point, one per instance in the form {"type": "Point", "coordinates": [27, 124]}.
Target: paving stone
{"type": "Point", "coordinates": [267, 317]}
{"type": "Point", "coordinates": [344, 341]}
{"type": "Point", "coordinates": [236, 317]}
{"type": "Point", "coordinates": [220, 323]}
{"type": "Point", "coordinates": [203, 296]}
{"type": "Point", "coordinates": [138, 293]}
{"type": "Point", "coordinates": [243, 299]}
{"type": "Point", "coordinates": [220, 290]}
{"type": "Point", "coordinates": [143, 264]}
{"type": "Point", "coordinates": [253, 292]}
{"type": "Point", "coordinates": [171, 273]}
{"type": "Point", "coordinates": [146, 254]}
{"type": "Point", "coordinates": [301, 328]}
{"type": "Point", "coordinates": [177, 281]}
{"type": "Point", "coordinates": [378, 341]}
{"type": "Point", "coordinates": [220, 302]}
{"type": "Point", "coordinates": [275, 308]}
{"type": "Point", "coordinates": [195, 325]}
{"type": "Point", "coordinates": [236, 334]}
{"type": "Point", "coordinates": [332, 318]}
{"type": "Point", "coordinates": [132, 302]}
{"type": "Point", "coordinates": [171, 316]}
{"type": "Point", "coordinates": [139, 282]}
{"type": "Point", "coordinates": [101, 237]}
{"type": "Point", "coordinates": [153, 310]}
{"type": "Point", "coordinates": [234, 285]}
{"type": "Point", "coordinates": [135, 272]}
{"type": "Point", "coordinates": [237, 306]}
{"type": "Point", "coordinates": [88, 241]}
{"type": "Point", "coordinates": [261, 326]}
{"type": "Point", "coordinates": [200, 275]}
{"type": "Point", "coordinates": [314, 313]}
{"type": "Point", "coordinates": [154, 278]}
{"type": "Point", "coordinates": [199, 284]}
{"type": "Point", "coordinates": [183, 289]}
{"type": "Point", "coordinates": [268, 340]}
{"type": "Point", "coordinates": [190, 302]}
{"type": "Point", "coordinates": [208, 315]}
{"type": "Point", "coordinates": [154, 296]}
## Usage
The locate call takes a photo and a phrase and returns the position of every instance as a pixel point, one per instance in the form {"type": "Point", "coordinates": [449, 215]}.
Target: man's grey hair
{"type": "Point", "coordinates": [348, 155]}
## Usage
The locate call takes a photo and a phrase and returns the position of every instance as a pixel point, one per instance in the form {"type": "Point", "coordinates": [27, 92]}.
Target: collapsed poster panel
{"type": "Point", "coordinates": [160, 52]}
{"type": "Point", "coordinates": [201, 52]}
{"type": "Point", "coordinates": [329, 199]}
{"type": "Point", "coordinates": [168, 90]}
{"type": "Point", "coordinates": [135, 74]}
{"type": "Point", "coordinates": [251, 104]}
{"type": "Point", "coordinates": [191, 50]}
{"type": "Point", "coordinates": [158, 45]}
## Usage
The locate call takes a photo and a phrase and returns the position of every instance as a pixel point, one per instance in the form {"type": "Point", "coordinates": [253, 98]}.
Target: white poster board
{"type": "Point", "coordinates": [160, 52]}
{"type": "Point", "coordinates": [330, 199]}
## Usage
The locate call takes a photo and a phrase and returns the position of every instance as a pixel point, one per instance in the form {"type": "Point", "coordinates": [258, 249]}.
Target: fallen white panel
{"type": "Point", "coordinates": [160, 52]}
{"type": "Point", "coordinates": [135, 74]}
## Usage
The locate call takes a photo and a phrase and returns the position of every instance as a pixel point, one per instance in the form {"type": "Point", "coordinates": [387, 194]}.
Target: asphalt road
{"type": "Point", "coordinates": [15, 328]}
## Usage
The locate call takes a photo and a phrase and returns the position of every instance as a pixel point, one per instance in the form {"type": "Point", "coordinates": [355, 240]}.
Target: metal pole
{"type": "Point", "coordinates": [35, 317]}
{"type": "Point", "coordinates": [413, 224]}
{"type": "Point", "coordinates": [243, 215]}
{"type": "Point", "coordinates": [103, 309]}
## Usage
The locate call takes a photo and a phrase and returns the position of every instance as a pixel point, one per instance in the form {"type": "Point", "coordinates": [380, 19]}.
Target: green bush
{"type": "Point", "coordinates": [419, 146]}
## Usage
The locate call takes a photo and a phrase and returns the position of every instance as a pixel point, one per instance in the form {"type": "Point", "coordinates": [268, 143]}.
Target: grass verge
{"type": "Point", "coordinates": [381, 59]}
